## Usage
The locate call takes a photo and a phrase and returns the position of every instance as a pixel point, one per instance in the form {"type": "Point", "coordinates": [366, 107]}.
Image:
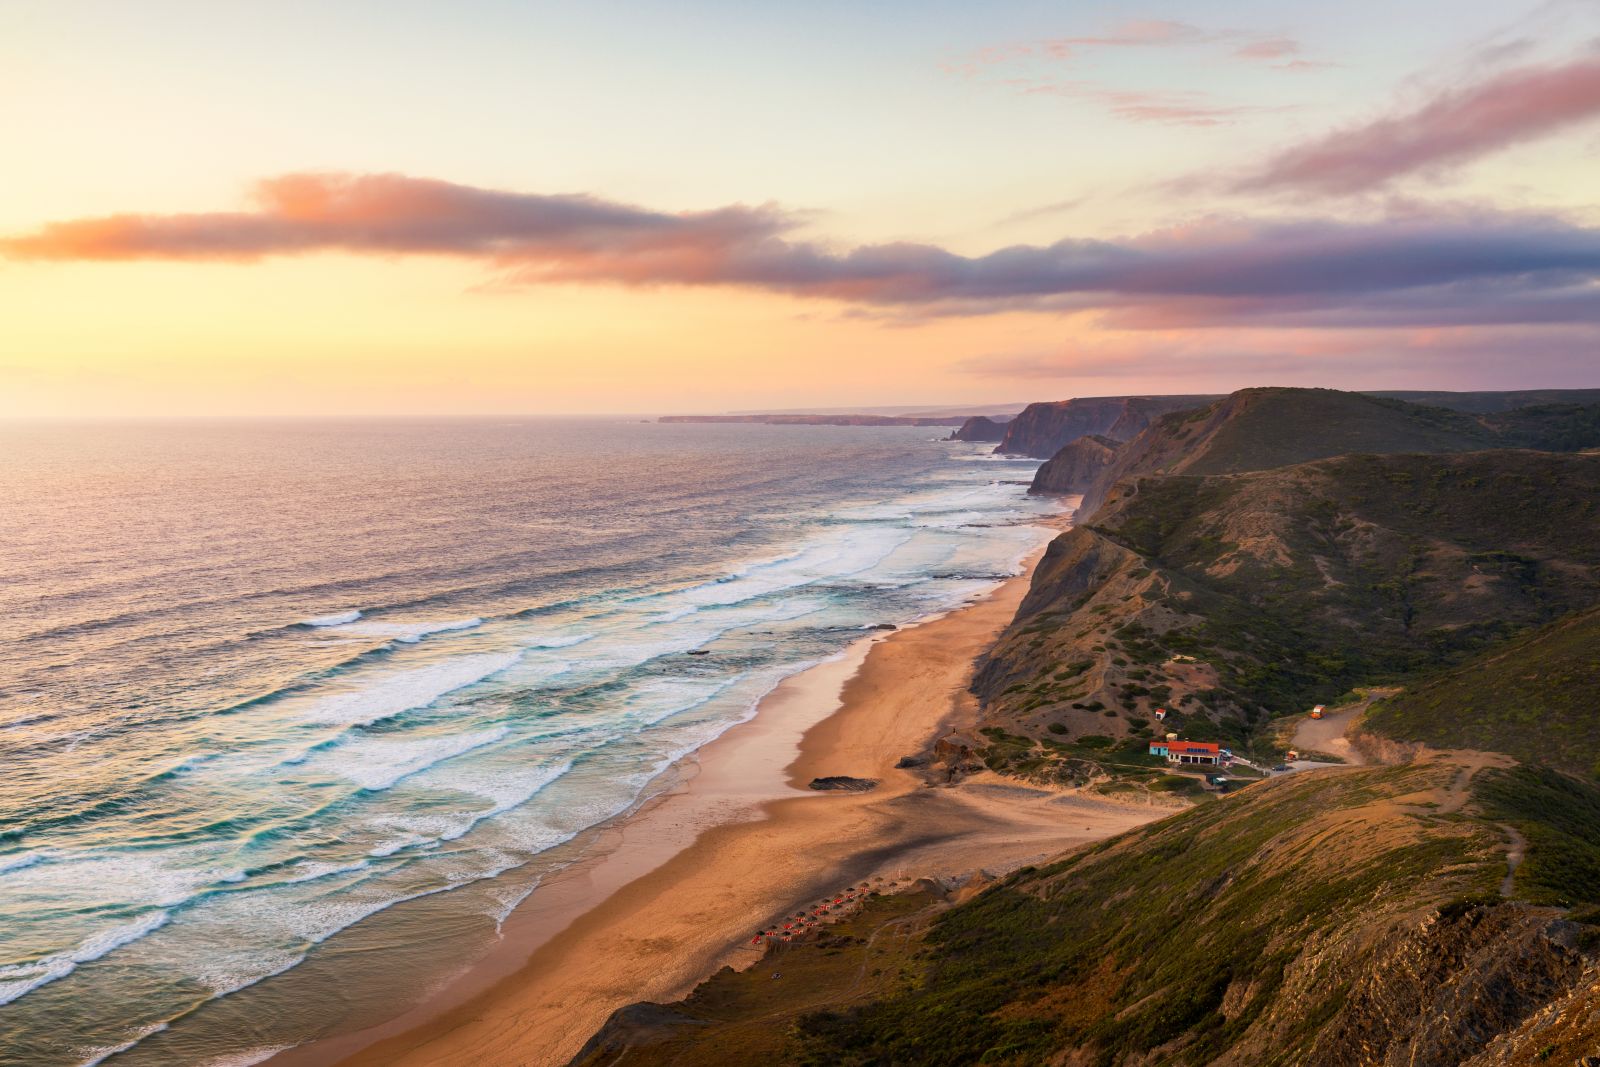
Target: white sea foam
{"type": "Point", "coordinates": [20, 860]}
{"type": "Point", "coordinates": [20, 979]}
{"type": "Point", "coordinates": [836, 555]}
{"type": "Point", "coordinates": [247, 1057]}
{"type": "Point", "coordinates": [380, 764]}
{"type": "Point", "coordinates": [389, 694]}
{"type": "Point", "coordinates": [100, 1054]}
{"type": "Point", "coordinates": [409, 632]}
{"type": "Point", "coordinates": [504, 790]}
{"type": "Point", "coordinates": [339, 619]}
{"type": "Point", "coordinates": [310, 871]}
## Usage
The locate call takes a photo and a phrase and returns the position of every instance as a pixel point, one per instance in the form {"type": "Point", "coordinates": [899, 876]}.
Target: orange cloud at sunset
{"type": "Point", "coordinates": [1427, 267]}
{"type": "Point", "coordinates": [545, 210]}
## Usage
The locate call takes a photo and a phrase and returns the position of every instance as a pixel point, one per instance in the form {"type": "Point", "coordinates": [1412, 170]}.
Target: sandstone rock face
{"type": "Point", "coordinates": [1440, 995]}
{"type": "Point", "coordinates": [1075, 468]}
{"type": "Point", "coordinates": [1042, 429]}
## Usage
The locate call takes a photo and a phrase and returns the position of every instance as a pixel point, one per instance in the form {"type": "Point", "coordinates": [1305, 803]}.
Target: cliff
{"type": "Point", "coordinates": [1076, 467]}
{"type": "Point", "coordinates": [980, 428]}
{"type": "Point", "coordinates": [1256, 429]}
{"type": "Point", "coordinates": [1042, 429]}
{"type": "Point", "coordinates": [1230, 599]}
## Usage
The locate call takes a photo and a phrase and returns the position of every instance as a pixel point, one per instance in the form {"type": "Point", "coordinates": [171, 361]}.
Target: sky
{"type": "Point", "coordinates": [485, 207]}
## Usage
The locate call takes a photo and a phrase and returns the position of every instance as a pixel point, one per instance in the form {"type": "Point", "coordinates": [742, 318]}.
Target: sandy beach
{"type": "Point", "coordinates": [678, 890]}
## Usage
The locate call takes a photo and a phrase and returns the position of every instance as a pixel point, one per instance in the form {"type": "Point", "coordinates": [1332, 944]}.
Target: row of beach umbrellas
{"type": "Point", "coordinates": [816, 913]}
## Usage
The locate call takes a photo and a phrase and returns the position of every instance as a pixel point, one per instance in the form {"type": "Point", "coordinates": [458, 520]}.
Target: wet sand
{"type": "Point", "coordinates": [680, 888]}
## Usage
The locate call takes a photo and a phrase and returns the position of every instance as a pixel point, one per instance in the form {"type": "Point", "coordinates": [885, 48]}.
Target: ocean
{"type": "Point", "coordinates": [291, 712]}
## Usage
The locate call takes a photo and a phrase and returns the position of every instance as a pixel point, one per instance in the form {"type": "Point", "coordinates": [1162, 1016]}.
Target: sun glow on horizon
{"type": "Point", "coordinates": [704, 213]}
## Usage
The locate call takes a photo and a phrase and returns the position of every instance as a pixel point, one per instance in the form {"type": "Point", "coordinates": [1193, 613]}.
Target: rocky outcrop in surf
{"type": "Point", "coordinates": [980, 428]}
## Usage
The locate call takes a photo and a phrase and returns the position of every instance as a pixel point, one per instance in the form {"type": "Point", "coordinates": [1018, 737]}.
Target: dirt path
{"type": "Point", "coordinates": [1517, 847]}
{"type": "Point", "coordinates": [1327, 734]}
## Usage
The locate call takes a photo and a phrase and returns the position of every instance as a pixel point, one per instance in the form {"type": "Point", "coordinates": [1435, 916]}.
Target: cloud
{"type": "Point", "coordinates": [395, 214]}
{"type": "Point", "coordinates": [1421, 267]}
{"type": "Point", "coordinates": [1268, 48]}
{"type": "Point", "coordinates": [1370, 359]}
{"type": "Point", "coordinates": [1032, 68]}
{"type": "Point", "coordinates": [1134, 33]}
{"type": "Point", "coordinates": [1167, 107]}
{"type": "Point", "coordinates": [1032, 214]}
{"type": "Point", "coordinates": [1452, 129]}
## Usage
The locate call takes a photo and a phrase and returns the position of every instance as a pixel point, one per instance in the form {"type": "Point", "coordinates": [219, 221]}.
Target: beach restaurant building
{"type": "Point", "coordinates": [1174, 751]}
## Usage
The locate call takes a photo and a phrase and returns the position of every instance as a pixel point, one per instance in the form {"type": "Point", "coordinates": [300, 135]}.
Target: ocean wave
{"type": "Point", "coordinates": [407, 632]}
{"type": "Point", "coordinates": [504, 792]}
{"type": "Point", "coordinates": [378, 765]}
{"type": "Point", "coordinates": [20, 979]}
{"type": "Point", "coordinates": [16, 861]}
{"type": "Point", "coordinates": [247, 1057]}
{"type": "Point", "coordinates": [338, 619]}
{"type": "Point", "coordinates": [101, 1054]}
{"type": "Point", "coordinates": [402, 691]}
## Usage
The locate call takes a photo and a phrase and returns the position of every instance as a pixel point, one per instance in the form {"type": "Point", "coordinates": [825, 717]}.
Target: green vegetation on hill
{"type": "Point", "coordinates": [1259, 429]}
{"type": "Point", "coordinates": [1309, 919]}
{"type": "Point", "coordinates": [1183, 937]}
{"type": "Point", "coordinates": [1231, 599]}
{"type": "Point", "coordinates": [1533, 697]}
{"type": "Point", "coordinates": [1560, 818]}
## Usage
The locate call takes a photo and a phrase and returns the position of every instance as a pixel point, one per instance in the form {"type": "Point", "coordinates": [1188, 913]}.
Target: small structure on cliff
{"type": "Point", "coordinates": [1187, 752]}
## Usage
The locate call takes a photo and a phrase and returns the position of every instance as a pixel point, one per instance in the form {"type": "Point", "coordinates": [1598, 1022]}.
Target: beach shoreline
{"type": "Point", "coordinates": [675, 892]}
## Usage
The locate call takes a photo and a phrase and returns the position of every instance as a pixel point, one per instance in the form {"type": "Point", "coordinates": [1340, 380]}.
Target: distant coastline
{"type": "Point", "coordinates": [824, 420]}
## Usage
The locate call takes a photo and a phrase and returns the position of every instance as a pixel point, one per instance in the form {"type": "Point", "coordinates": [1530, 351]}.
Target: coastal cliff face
{"type": "Point", "coordinates": [1230, 599]}
{"type": "Point", "coordinates": [1076, 467]}
{"type": "Point", "coordinates": [980, 428]}
{"type": "Point", "coordinates": [1258, 429]}
{"type": "Point", "coordinates": [1042, 429]}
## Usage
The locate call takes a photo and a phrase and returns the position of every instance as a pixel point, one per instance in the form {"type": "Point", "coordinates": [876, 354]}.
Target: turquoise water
{"type": "Point", "coordinates": [292, 712]}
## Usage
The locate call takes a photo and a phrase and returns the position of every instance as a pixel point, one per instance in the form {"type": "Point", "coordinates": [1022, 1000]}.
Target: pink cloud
{"type": "Point", "coordinates": [1165, 107]}
{"type": "Point", "coordinates": [1494, 358]}
{"type": "Point", "coordinates": [1450, 130]}
{"type": "Point", "coordinates": [1268, 48]}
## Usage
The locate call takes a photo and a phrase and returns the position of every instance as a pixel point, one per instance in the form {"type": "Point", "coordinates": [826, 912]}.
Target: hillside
{"type": "Point", "coordinates": [1440, 912]}
{"type": "Point", "coordinates": [1257, 429]}
{"type": "Point", "coordinates": [1340, 917]}
{"type": "Point", "coordinates": [1533, 697]}
{"type": "Point", "coordinates": [1076, 466]}
{"type": "Point", "coordinates": [1231, 599]}
{"type": "Point", "coordinates": [1483, 403]}
{"type": "Point", "coordinates": [1040, 430]}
